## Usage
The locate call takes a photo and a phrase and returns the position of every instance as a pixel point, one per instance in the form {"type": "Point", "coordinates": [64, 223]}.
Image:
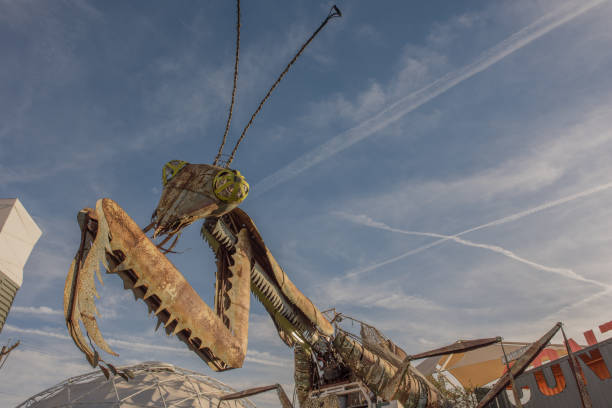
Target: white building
{"type": "Point", "coordinates": [18, 235]}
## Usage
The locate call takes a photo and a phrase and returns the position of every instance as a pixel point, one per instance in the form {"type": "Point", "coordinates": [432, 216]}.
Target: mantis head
{"type": "Point", "coordinates": [196, 191]}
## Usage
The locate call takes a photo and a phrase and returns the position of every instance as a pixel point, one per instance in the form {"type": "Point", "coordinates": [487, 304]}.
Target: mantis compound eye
{"type": "Point", "coordinates": [230, 186]}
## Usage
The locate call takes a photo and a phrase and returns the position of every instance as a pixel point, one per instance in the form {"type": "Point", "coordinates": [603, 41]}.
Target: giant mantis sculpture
{"type": "Point", "coordinates": [244, 263]}
{"type": "Point", "coordinates": [218, 335]}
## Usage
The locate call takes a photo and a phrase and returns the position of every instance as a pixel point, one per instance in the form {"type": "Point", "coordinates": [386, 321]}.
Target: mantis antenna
{"type": "Point", "coordinates": [334, 12]}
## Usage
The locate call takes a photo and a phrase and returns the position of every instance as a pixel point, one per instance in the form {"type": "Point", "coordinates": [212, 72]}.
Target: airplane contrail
{"type": "Point", "coordinates": [496, 222]}
{"type": "Point", "coordinates": [559, 312]}
{"type": "Point", "coordinates": [568, 273]}
{"type": "Point", "coordinates": [407, 104]}
{"type": "Point", "coordinates": [139, 346]}
{"type": "Point", "coordinates": [40, 310]}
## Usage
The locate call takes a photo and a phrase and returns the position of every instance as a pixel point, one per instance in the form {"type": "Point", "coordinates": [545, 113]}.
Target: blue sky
{"type": "Point", "coordinates": [398, 120]}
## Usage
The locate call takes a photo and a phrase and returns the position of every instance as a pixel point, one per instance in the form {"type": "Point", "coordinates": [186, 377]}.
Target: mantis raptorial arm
{"type": "Point", "coordinates": [122, 247]}
{"type": "Point", "coordinates": [219, 336]}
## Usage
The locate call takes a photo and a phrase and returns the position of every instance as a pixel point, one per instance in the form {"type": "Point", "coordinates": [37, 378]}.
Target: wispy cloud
{"type": "Point", "coordinates": [386, 295]}
{"type": "Point", "coordinates": [254, 356]}
{"type": "Point", "coordinates": [265, 358]}
{"type": "Point", "coordinates": [499, 221]}
{"type": "Point", "coordinates": [36, 310]}
{"type": "Point", "coordinates": [35, 332]}
{"type": "Point", "coordinates": [563, 311]}
{"type": "Point", "coordinates": [30, 370]}
{"type": "Point", "coordinates": [399, 109]}
{"type": "Point", "coordinates": [568, 273]}
{"type": "Point", "coordinates": [442, 34]}
{"type": "Point", "coordinates": [181, 104]}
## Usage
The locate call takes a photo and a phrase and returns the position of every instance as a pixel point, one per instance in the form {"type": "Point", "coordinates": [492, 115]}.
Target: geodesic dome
{"type": "Point", "coordinates": [155, 385]}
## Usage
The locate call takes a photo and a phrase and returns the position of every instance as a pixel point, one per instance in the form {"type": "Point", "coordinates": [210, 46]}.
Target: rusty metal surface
{"type": "Point", "coordinates": [282, 396]}
{"type": "Point", "coordinates": [512, 384]}
{"type": "Point", "coordinates": [151, 276]}
{"type": "Point", "coordinates": [187, 197]}
{"type": "Point", "coordinates": [248, 392]}
{"type": "Point", "coordinates": [328, 401]}
{"type": "Point", "coordinates": [460, 346]}
{"type": "Point", "coordinates": [585, 399]}
{"type": "Point", "coordinates": [291, 323]}
{"type": "Point", "coordinates": [374, 340]}
{"type": "Point", "coordinates": [80, 290]}
{"type": "Point", "coordinates": [302, 373]}
{"type": "Point", "coordinates": [413, 389]}
{"type": "Point", "coordinates": [392, 387]}
{"type": "Point", "coordinates": [296, 297]}
{"type": "Point", "coordinates": [220, 337]}
{"type": "Point", "coordinates": [520, 365]}
{"type": "Point", "coordinates": [383, 353]}
{"type": "Point", "coordinates": [232, 299]}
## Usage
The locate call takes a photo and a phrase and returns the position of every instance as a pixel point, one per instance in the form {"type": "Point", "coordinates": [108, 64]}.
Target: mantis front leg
{"type": "Point", "coordinates": [118, 242]}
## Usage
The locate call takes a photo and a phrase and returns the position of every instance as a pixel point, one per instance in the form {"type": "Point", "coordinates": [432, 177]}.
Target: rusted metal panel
{"type": "Point", "coordinates": [458, 347]}
{"type": "Point", "coordinates": [187, 197]}
{"type": "Point", "coordinates": [328, 401]}
{"type": "Point", "coordinates": [373, 339]}
{"type": "Point", "coordinates": [282, 396]}
{"type": "Point", "coordinates": [303, 303]}
{"type": "Point", "coordinates": [413, 389]}
{"type": "Point", "coordinates": [247, 393]}
{"type": "Point", "coordinates": [517, 399]}
{"type": "Point", "coordinates": [293, 322]}
{"type": "Point", "coordinates": [236, 293]}
{"type": "Point", "coordinates": [302, 373]}
{"type": "Point", "coordinates": [219, 337]}
{"type": "Point", "coordinates": [169, 294]}
{"type": "Point", "coordinates": [578, 376]}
